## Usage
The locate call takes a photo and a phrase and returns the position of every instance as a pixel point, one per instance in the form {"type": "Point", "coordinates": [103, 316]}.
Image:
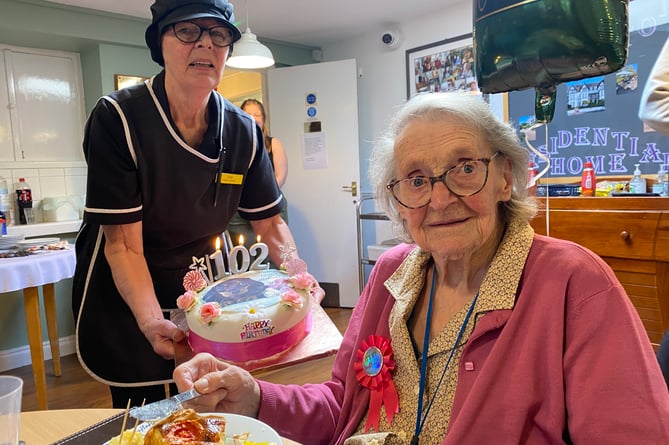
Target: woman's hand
{"type": "Point", "coordinates": [224, 387]}
{"type": "Point", "coordinates": [162, 334]}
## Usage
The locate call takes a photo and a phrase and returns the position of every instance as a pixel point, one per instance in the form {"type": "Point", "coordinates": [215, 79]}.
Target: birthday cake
{"type": "Point", "coordinates": [247, 316]}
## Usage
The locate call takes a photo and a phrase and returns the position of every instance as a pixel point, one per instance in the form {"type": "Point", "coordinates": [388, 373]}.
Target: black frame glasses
{"type": "Point", "coordinates": [190, 32]}
{"type": "Point", "coordinates": [463, 189]}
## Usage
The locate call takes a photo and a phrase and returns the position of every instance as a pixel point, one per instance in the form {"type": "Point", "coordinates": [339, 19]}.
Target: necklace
{"type": "Point", "coordinates": [420, 422]}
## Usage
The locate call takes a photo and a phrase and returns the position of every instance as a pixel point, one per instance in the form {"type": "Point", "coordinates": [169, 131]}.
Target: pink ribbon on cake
{"type": "Point", "coordinates": [256, 349]}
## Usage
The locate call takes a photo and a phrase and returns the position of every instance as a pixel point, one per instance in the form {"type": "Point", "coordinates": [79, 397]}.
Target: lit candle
{"type": "Point", "coordinates": [235, 266]}
{"type": "Point", "coordinates": [260, 250]}
{"type": "Point", "coordinates": [217, 256]}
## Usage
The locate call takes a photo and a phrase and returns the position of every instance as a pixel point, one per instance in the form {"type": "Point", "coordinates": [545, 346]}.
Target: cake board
{"type": "Point", "coordinates": [323, 340]}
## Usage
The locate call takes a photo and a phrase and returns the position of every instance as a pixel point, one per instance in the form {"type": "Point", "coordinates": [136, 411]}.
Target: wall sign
{"type": "Point", "coordinates": [596, 120]}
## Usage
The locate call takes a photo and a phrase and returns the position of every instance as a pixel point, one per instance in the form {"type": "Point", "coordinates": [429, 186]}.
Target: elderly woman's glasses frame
{"type": "Point", "coordinates": [189, 32]}
{"type": "Point", "coordinates": [466, 178]}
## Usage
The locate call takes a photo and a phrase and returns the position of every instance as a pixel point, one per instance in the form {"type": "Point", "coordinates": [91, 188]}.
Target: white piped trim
{"type": "Point", "coordinates": [112, 211]}
{"type": "Point", "coordinates": [261, 209]}
{"type": "Point", "coordinates": [89, 272]}
{"type": "Point", "coordinates": [174, 134]}
{"type": "Point", "coordinates": [126, 128]}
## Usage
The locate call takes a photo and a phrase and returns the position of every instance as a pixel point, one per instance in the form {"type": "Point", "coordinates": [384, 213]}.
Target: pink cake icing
{"type": "Point", "coordinates": [247, 316]}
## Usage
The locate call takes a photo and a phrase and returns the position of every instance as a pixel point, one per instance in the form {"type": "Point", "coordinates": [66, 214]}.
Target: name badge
{"type": "Point", "coordinates": [230, 178]}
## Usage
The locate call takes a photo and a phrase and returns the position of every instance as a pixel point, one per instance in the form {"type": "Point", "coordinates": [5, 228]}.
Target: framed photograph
{"type": "Point", "coordinates": [446, 65]}
{"type": "Point", "coordinates": [122, 80]}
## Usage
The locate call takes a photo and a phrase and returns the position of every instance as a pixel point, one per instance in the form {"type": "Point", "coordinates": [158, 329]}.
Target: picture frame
{"type": "Point", "coordinates": [445, 65]}
{"type": "Point", "coordinates": [124, 80]}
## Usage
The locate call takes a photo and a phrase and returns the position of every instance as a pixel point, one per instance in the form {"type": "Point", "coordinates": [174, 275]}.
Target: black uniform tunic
{"type": "Point", "coordinates": [140, 169]}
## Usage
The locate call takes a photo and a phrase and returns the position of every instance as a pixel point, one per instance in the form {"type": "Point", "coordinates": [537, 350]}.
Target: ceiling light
{"type": "Point", "coordinates": [248, 53]}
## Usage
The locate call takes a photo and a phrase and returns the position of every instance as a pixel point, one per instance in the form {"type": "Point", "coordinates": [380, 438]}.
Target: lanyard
{"type": "Point", "coordinates": [423, 366]}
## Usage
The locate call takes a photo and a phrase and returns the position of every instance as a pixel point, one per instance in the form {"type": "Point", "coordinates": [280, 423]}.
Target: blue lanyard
{"type": "Point", "coordinates": [423, 366]}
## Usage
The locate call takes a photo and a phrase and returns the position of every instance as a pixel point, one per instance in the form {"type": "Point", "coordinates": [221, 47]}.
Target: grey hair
{"type": "Point", "coordinates": [470, 110]}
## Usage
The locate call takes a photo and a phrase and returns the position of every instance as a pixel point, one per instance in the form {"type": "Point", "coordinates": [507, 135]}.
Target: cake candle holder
{"type": "Point", "coordinates": [210, 274]}
{"type": "Point", "coordinates": [259, 251]}
{"type": "Point", "coordinates": [235, 265]}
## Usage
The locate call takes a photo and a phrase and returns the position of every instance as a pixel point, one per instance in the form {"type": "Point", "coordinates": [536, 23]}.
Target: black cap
{"type": "Point", "coordinates": [167, 12]}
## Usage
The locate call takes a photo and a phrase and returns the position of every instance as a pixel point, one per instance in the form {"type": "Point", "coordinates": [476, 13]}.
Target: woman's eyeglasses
{"type": "Point", "coordinates": [466, 178]}
{"type": "Point", "coordinates": [189, 32]}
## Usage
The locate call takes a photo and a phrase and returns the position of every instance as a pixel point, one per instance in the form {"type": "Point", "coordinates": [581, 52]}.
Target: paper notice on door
{"type": "Point", "coordinates": [314, 151]}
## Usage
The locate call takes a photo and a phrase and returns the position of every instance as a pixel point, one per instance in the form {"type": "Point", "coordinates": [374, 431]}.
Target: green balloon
{"type": "Point", "coordinates": [540, 43]}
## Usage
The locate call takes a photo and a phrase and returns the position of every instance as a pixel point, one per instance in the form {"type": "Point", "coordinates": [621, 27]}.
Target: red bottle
{"type": "Point", "coordinates": [588, 182]}
{"type": "Point", "coordinates": [531, 183]}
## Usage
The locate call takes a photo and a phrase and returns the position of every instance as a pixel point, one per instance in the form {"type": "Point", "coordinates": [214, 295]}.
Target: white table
{"type": "Point", "coordinates": [28, 274]}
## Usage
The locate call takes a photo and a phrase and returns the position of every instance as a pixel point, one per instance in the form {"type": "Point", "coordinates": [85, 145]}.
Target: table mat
{"type": "Point", "coordinates": [96, 434]}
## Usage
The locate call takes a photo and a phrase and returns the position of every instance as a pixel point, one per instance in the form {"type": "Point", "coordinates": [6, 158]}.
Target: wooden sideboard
{"type": "Point", "coordinates": [632, 235]}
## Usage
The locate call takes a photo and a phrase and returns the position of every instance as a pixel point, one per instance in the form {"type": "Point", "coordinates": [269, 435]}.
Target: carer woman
{"type": "Point", "coordinates": [489, 332]}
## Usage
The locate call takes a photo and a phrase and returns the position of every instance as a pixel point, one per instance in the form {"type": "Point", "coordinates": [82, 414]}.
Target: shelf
{"type": "Point", "coordinates": [380, 216]}
{"type": "Point", "coordinates": [365, 216]}
{"type": "Point", "coordinates": [43, 229]}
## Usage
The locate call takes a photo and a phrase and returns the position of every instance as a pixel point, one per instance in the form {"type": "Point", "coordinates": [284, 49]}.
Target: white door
{"type": "Point", "coordinates": [322, 165]}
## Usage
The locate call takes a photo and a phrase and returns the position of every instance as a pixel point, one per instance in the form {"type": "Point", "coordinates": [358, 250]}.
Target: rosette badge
{"type": "Point", "coordinates": [373, 366]}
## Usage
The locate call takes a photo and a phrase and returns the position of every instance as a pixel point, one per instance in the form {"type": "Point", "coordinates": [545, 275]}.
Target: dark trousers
{"type": "Point", "coordinates": [139, 394]}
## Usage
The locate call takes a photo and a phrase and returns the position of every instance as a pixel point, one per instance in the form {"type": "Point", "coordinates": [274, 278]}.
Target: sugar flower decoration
{"type": "Point", "coordinates": [193, 281]}
{"type": "Point", "coordinates": [291, 299]}
{"type": "Point", "coordinates": [302, 281]}
{"type": "Point", "coordinates": [187, 300]}
{"type": "Point", "coordinates": [209, 312]}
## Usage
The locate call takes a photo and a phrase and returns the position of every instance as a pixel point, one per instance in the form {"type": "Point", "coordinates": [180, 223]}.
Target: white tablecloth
{"type": "Point", "coordinates": [36, 270]}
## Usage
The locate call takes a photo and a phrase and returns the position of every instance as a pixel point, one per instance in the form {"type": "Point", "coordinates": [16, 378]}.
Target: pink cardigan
{"type": "Point", "coordinates": [571, 363]}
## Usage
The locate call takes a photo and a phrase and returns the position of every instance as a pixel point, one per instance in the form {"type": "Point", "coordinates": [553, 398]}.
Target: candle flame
{"type": "Point", "coordinates": [241, 240]}
{"type": "Point", "coordinates": [218, 243]}
{"type": "Point", "coordinates": [258, 238]}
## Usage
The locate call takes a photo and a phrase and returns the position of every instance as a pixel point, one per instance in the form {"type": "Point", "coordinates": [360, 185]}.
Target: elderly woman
{"type": "Point", "coordinates": [477, 331]}
{"type": "Point", "coordinates": [169, 163]}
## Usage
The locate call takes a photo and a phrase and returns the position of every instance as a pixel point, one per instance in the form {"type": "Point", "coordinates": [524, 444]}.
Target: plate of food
{"type": "Point", "coordinates": [187, 426]}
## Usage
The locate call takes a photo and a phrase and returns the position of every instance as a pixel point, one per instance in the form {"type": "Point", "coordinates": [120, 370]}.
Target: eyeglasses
{"type": "Point", "coordinates": [189, 32]}
{"type": "Point", "coordinates": [466, 178]}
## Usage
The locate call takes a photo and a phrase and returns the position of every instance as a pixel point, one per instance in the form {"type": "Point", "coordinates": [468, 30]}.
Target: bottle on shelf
{"type": "Point", "coordinates": [531, 182]}
{"type": "Point", "coordinates": [658, 184]}
{"type": "Point", "coordinates": [588, 181]}
{"type": "Point", "coordinates": [5, 204]}
{"type": "Point", "coordinates": [24, 199]}
{"type": "Point", "coordinates": [637, 183]}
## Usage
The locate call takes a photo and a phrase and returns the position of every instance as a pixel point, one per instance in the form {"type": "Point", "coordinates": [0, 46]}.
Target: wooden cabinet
{"type": "Point", "coordinates": [632, 235]}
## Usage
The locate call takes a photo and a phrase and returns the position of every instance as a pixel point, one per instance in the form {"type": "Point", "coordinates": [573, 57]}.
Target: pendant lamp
{"type": "Point", "coordinates": [248, 53]}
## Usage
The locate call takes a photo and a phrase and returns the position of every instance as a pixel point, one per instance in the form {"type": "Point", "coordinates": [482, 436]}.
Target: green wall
{"type": "Point", "coordinates": [108, 44]}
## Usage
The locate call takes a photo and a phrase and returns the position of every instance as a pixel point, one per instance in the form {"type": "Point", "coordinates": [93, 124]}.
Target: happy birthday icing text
{"type": "Point", "coordinates": [256, 329]}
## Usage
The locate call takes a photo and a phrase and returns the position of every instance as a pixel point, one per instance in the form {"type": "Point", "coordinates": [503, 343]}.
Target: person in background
{"type": "Point", "coordinates": [277, 155]}
{"type": "Point", "coordinates": [170, 161]}
{"type": "Point", "coordinates": [654, 112]}
{"type": "Point", "coordinates": [474, 331]}
{"type": "Point", "coordinates": [654, 105]}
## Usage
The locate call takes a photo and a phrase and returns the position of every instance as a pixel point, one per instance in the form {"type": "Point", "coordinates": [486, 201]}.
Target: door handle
{"type": "Point", "coordinates": [353, 188]}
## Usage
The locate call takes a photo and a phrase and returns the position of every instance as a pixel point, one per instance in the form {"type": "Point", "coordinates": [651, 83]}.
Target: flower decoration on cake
{"type": "Point", "coordinates": [302, 281]}
{"type": "Point", "coordinates": [209, 312]}
{"type": "Point", "coordinates": [292, 299]}
{"type": "Point", "coordinates": [187, 300]}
